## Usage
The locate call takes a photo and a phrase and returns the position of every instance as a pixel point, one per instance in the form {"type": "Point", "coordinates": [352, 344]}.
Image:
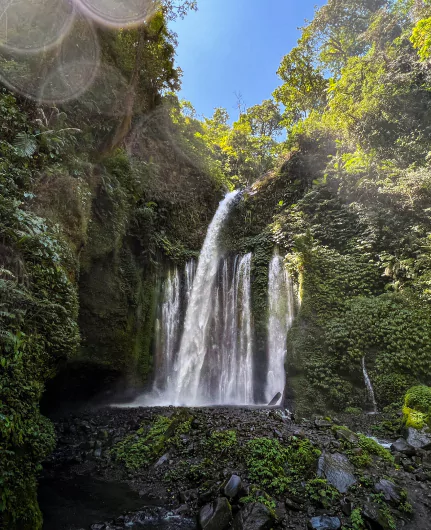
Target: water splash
{"type": "Point", "coordinates": [281, 303]}
{"type": "Point", "coordinates": [369, 386]}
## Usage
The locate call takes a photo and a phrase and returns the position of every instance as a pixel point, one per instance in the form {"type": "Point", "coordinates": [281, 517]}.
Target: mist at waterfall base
{"type": "Point", "coordinates": [204, 351]}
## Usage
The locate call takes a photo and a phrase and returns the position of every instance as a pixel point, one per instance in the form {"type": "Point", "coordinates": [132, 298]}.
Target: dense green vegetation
{"type": "Point", "coordinates": [93, 204]}
{"type": "Point", "coordinates": [349, 204]}
{"type": "Point", "coordinates": [85, 219]}
{"type": "Point", "coordinates": [417, 407]}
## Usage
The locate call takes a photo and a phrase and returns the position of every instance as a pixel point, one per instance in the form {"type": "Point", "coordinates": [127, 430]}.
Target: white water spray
{"type": "Point", "coordinates": [281, 313]}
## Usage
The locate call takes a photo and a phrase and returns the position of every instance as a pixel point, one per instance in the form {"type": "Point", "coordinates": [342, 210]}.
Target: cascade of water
{"type": "Point", "coordinates": [281, 303]}
{"type": "Point", "coordinates": [189, 276]}
{"type": "Point", "coordinates": [234, 362]}
{"type": "Point", "coordinates": [369, 386]}
{"type": "Point", "coordinates": [167, 327]}
{"type": "Point", "coordinates": [212, 363]}
{"type": "Point", "coordinates": [195, 342]}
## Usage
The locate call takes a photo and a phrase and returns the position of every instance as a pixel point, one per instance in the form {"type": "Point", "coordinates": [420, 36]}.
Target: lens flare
{"type": "Point", "coordinates": [59, 75]}
{"type": "Point", "coordinates": [110, 93]}
{"type": "Point", "coordinates": [119, 13]}
{"type": "Point", "coordinates": [31, 26]}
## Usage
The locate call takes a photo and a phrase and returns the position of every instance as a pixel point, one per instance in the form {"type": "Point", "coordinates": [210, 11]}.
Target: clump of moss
{"type": "Point", "coordinates": [321, 492]}
{"type": "Point", "coordinates": [148, 442]}
{"type": "Point", "coordinates": [353, 410]}
{"type": "Point", "coordinates": [368, 446]}
{"type": "Point", "coordinates": [356, 520]}
{"type": "Point", "coordinates": [374, 448]}
{"type": "Point", "coordinates": [417, 407]}
{"type": "Point", "coordinates": [222, 442]}
{"type": "Point", "coordinates": [276, 467]}
{"type": "Point", "coordinates": [258, 495]}
{"type": "Point", "coordinates": [139, 449]}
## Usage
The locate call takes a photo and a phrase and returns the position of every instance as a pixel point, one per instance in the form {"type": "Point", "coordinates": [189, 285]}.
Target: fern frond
{"type": "Point", "coordinates": [25, 144]}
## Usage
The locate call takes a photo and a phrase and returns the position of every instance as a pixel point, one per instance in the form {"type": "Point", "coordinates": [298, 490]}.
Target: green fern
{"type": "Point", "coordinates": [25, 144]}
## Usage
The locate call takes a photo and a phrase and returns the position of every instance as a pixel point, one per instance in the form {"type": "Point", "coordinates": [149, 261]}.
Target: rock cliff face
{"type": "Point", "coordinates": [361, 335]}
{"type": "Point", "coordinates": [84, 238]}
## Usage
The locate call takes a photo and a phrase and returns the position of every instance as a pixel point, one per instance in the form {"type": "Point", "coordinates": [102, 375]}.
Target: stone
{"type": "Point", "coordinates": [337, 470]}
{"type": "Point", "coordinates": [419, 439]}
{"type": "Point", "coordinates": [391, 492]}
{"type": "Point", "coordinates": [189, 495]}
{"type": "Point", "coordinates": [401, 446]}
{"type": "Point", "coordinates": [421, 476]}
{"type": "Point", "coordinates": [376, 519]}
{"type": "Point", "coordinates": [291, 505]}
{"type": "Point", "coordinates": [346, 507]}
{"type": "Point", "coordinates": [324, 522]}
{"type": "Point", "coordinates": [322, 424]}
{"type": "Point", "coordinates": [233, 486]}
{"type": "Point", "coordinates": [98, 452]}
{"type": "Point", "coordinates": [182, 510]}
{"type": "Point", "coordinates": [275, 399]}
{"type": "Point", "coordinates": [347, 435]}
{"type": "Point", "coordinates": [98, 526]}
{"type": "Point", "coordinates": [216, 516]}
{"type": "Point", "coordinates": [162, 460]}
{"type": "Point", "coordinates": [280, 511]}
{"type": "Point", "coordinates": [254, 516]}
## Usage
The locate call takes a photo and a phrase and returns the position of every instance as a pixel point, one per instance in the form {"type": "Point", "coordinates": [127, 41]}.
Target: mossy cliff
{"type": "Point", "coordinates": [83, 237]}
{"type": "Point", "coordinates": [361, 275]}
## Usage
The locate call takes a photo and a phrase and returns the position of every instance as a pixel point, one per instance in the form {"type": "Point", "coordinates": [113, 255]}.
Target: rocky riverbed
{"type": "Point", "coordinates": [220, 468]}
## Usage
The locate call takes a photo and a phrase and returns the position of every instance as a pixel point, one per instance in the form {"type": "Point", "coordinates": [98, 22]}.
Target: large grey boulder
{"type": "Point", "coordinates": [375, 517]}
{"type": "Point", "coordinates": [337, 470]}
{"type": "Point", "coordinates": [419, 439]}
{"type": "Point", "coordinates": [216, 516]}
{"type": "Point", "coordinates": [254, 516]}
{"type": "Point", "coordinates": [401, 446]}
{"type": "Point", "coordinates": [391, 492]}
{"type": "Point", "coordinates": [347, 435]}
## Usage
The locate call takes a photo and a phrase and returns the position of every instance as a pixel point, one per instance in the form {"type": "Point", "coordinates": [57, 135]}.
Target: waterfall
{"type": "Point", "coordinates": [195, 342]}
{"type": "Point", "coordinates": [234, 361]}
{"type": "Point", "coordinates": [175, 296]}
{"type": "Point", "coordinates": [369, 386]}
{"type": "Point", "coordinates": [189, 275]}
{"type": "Point", "coordinates": [204, 332]}
{"type": "Point", "coordinates": [167, 327]}
{"type": "Point", "coordinates": [281, 304]}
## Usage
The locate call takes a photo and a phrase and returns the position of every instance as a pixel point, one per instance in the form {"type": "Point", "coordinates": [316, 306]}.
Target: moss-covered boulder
{"type": "Point", "coordinates": [417, 407]}
{"type": "Point", "coordinates": [417, 416]}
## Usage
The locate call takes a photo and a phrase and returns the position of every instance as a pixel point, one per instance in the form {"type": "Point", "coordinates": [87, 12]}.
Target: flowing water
{"type": "Point", "coordinates": [204, 331]}
{"type": "Point", "coordinates": [281, 302]}
{"type": "Point", "coordinates": [232, 367]}
{"type": "Point", "coordinates": [204, 347]}
{"type": "Point", "coordinates": [215, 361]}
{"type": "Point", "coordinates": [369, 386]}
{"type": "Point", "coordinates": [167, 330]}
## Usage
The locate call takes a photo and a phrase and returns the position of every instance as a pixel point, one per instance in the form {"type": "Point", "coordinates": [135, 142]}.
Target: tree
{"type": "Point", "coordinates": [304, 86]}
{"type": "Point", "coordinates": [264, 119]}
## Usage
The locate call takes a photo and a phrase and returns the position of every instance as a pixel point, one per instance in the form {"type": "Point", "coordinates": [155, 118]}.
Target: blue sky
{"type": "Point", "coordinates": [230, 46]}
